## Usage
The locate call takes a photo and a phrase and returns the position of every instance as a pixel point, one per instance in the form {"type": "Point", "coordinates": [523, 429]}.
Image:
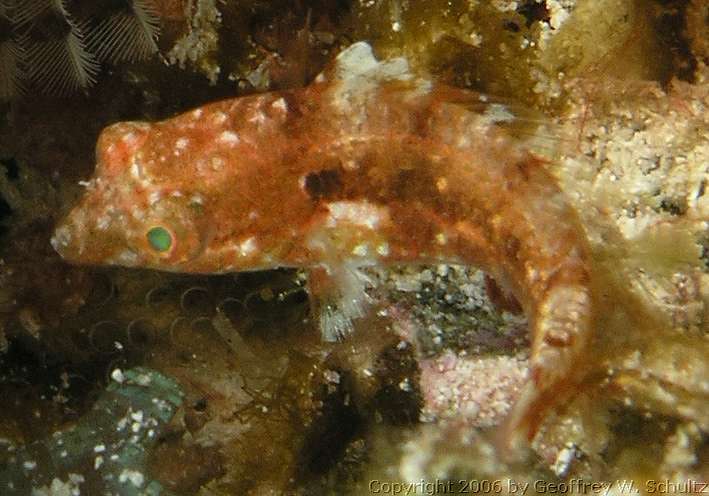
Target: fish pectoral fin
{"type": "Point", "coordinates": [337, 297]}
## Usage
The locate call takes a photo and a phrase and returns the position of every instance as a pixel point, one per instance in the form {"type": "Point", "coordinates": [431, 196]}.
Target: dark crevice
{"type": "Point", "coordinates": [533, 11]}
{"type": "Point", "coordinates": [12, 170]}
{"type": "Point", "coordinates": [328, 438]}
{"type": "Point", "coordinates": [670, 24]}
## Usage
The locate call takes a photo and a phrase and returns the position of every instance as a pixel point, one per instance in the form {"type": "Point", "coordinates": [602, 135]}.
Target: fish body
{"type": "Point", "coordinates": [368, 165]}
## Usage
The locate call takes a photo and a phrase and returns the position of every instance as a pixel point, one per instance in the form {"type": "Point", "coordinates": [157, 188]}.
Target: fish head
{"type": "Point", "coordinates": [125, 216]}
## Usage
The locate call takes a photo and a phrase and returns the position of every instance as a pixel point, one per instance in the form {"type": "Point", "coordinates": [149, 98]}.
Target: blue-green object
{"type": "Point", "coordinates": [160, 239]}
{"type": "Point", "coordinates": [106, 452]}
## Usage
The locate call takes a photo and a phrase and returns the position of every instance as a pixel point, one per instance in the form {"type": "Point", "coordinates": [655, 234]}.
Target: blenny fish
{"type": "Point", "coordinates": [370, 164]}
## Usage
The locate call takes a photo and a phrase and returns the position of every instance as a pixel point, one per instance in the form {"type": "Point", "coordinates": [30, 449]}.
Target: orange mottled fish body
{"type": "Point", "coordinates": [368, 165]}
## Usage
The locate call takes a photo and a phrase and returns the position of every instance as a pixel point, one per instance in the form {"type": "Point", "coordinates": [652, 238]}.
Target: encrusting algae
{"type": "Point", "coordinates": [439, 355]}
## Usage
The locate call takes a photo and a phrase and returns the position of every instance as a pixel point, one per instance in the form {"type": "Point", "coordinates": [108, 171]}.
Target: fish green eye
{"type": "Point", "coordinates": [160, 239]}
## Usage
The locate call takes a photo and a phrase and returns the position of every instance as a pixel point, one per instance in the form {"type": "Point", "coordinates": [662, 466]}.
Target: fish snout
{"type": "Point", "coordinates": [66, 240]}
{"type": "Point", "coordinates": [81, 239]}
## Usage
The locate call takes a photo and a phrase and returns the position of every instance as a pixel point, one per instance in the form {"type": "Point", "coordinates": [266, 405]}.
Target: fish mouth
{"type": "Point", "coordinates": [68, 241]}
{"type": "Point", "coordinates": [61, 241]}
{"type": "Point", "coordinates": [65, 238]}
{"type": "Point", "coordinates": [78, 246]}
{"type": "Point", "coordinates": [76, 239]}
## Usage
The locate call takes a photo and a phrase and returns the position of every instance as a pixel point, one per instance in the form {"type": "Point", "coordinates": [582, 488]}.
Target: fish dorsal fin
{"type": "Point", "coordinates": [357, 61]}
{"type": "Point", "coordinates": [356, 74]}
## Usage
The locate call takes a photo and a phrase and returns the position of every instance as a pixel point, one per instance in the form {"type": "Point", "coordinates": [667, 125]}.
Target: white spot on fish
{"type": "Point", "coordinates": [229, 137]}
{"type": "Point", "coordinates": [280, 104]}
{"type": "Point", "coordinates": [181, 143]}
{"type": "Point", "coordinates": [350, 165]}
{"type": "Point", "coordinates": [217, 163]}
{"type": "Point", "coordinates": [247, 247]}
{"type": "Point", "coordinates": [360, 250]}
{"type": "Point", "coordinates": [154, 197]}
{"type": "Point", "coordinates": [442, 184]}
{"type": "Point", "coordinates": [198, 199]}
{"type": "Point", "coordinates": [356, 213]}
{"type": "Point", "coordinates": [127, 258]}
{"type": "Point", "coordinates": [129, 138]}
{"type": "Point", "coordinates": [463, 141]}
{"type": "Point", "coordinates": [253, 215]}
{"type": "Point", "coordinates": [219, 118]}
{"type": "Point", "coordinates": [499, 113]}
{"type": "Point", "coordinates": [383, 249]}
{"type": "Point", "coordinates": [197, 113]}
{"type": "Point", "coordinates": [135, 170]}
{"type": "Point", "coordinates": [138, 214]}
{"type": "Point", "coordinates": [103, 222]}
{"type": "Point", "coordinates": [62, 237]}
{"type": "Point", "coordinates": [258, 118]}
